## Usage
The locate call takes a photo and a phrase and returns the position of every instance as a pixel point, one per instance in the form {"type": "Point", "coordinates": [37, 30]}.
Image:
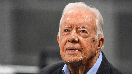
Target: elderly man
{"type": "Point", "coordinates": [80, 40]}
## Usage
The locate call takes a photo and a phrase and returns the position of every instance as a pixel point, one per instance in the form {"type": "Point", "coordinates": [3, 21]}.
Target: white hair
{"type": "Point", "coordinates": [99, 19]}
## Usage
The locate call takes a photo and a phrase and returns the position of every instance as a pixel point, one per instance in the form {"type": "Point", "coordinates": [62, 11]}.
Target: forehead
{"type": "Point", "coordinates": [79, 17]}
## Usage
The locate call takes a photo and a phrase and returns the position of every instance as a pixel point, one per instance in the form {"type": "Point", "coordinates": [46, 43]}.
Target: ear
{"type": "Point", "coordinates": [100, 43]}
{"type": "Point", "coordinates": [58, 38]}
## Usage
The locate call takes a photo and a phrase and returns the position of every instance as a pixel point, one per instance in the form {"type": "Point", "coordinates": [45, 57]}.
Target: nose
{"type": "Point", "coordinates": [73, 38]}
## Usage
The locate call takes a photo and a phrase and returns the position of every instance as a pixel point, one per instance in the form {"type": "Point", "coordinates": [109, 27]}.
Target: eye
{"type": "Point", "coordinates": [83, 31]}
{"type": "Point", "coordinates": [66, 30]}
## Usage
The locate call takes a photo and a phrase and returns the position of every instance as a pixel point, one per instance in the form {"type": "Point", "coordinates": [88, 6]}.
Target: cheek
{"type": "Point", "coordinates": [87, 46]}
{"type": "Point", "coordinates": [87, 49]}
{"type": "Point", "coordinates": [85, 43]}
{"type": "Point", "coordinates": [62, 43]}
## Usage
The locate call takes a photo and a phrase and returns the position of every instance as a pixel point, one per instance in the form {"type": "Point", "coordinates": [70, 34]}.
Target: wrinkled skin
{"type": "Point", "coordinates": [77, 37]}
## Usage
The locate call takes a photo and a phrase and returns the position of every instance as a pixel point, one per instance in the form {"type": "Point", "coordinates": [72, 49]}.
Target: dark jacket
{"type": "Point", "coordinates": [105, 68]}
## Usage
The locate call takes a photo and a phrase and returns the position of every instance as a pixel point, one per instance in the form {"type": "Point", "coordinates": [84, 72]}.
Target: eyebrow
{"type": "Point", "coordinates": [82, 27]}
{"type": "Point", "coordinates": [67, 26]}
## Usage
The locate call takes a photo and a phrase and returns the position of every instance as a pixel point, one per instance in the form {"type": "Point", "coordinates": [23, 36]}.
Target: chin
{"type": "Point", "coordinates": [71, 60]}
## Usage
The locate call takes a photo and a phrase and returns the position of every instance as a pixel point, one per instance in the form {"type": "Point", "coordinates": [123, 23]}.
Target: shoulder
{"type": "Point", "coordinates": [52, 69]}
{"type": "Point", "coordinates": [107, 68]}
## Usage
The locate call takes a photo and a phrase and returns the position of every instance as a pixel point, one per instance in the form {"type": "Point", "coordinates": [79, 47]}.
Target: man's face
{"type": "Point", "coordinates": [77, 35]}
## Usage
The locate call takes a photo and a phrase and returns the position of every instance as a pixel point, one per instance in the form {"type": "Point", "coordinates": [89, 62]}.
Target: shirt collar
{"type": "Point", "coordinates": [93, 70]}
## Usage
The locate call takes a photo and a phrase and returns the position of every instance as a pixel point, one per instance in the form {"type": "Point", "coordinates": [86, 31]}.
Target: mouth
{"type": "Point", "coordinates": [72, 49]}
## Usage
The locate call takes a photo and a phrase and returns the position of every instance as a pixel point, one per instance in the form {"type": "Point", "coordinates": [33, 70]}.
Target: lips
{"type": "Point", "coordinates": [72, 49]}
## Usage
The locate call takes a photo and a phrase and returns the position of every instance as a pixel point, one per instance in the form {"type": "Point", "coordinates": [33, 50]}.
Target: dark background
{"type": "Point", "coordinates": [29, 28]}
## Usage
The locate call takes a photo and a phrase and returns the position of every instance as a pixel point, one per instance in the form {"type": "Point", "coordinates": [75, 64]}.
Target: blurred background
{"type": "Point", "coordinates": [29, 28]}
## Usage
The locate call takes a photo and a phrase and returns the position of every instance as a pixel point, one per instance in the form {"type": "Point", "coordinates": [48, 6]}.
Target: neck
{"type": "Point", "coordinates": [83, 67]}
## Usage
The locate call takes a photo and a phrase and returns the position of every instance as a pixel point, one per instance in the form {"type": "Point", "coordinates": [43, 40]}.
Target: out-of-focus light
{"type": "Point", "coordinates": [13, 69]}
{"type": "Point", "coordinates": [6, 70]}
